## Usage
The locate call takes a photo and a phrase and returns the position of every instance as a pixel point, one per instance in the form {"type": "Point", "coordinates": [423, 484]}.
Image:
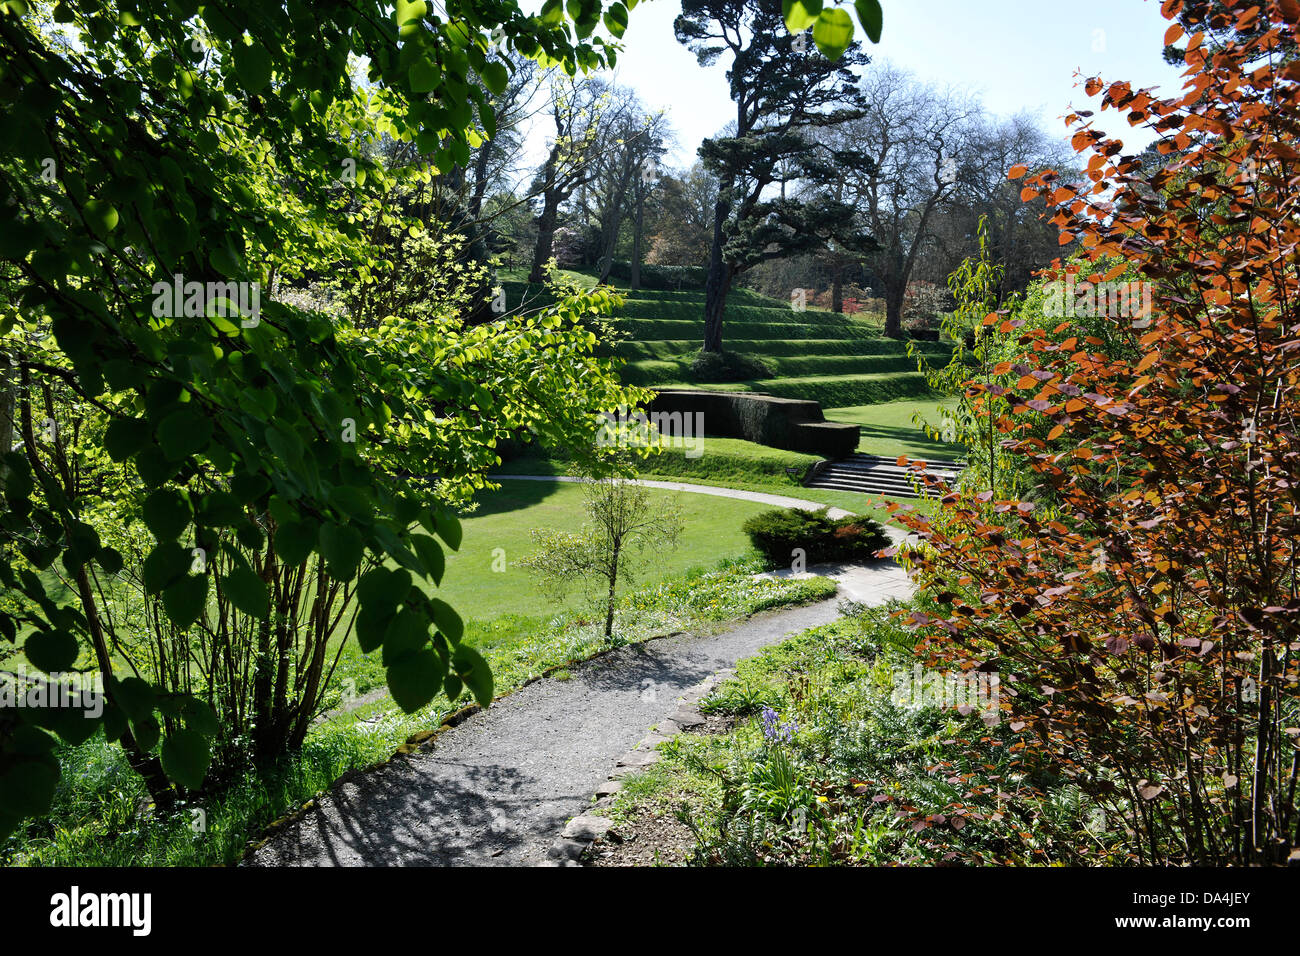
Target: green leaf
{"type": "Point", "coordinates": [185, 757]}
{"type": "Point", "coordinates": [552, 13]}
{"type": "Point", "coordinates": [408, 17]}
{"type": "Point", "coordinates": [616, 19]}
{"type": "Point", "coordinates": [383, 589]}
{"type": "Point", "coordinates": [833, 32]}
{"type": "Point", "coordinates": [295, 540]}
{"type": "Point", "coordinates": [253, 66]}
{"type": "Point", "coordinates": [447, 620]}
{"type": "Point", "coordinates": [101, 217]}
{"type": "Point", "coordinates": [125, 437]}
{"type": "Point", "coordinates": [474, 671]}
{"type": "Point", "coordinates": [423, 76]}
{"type": "Point", "coordinates": [27, 786]}
{"type": "Point", "coordinates": [198, 716]}
{"type": "Point", "coordinates": [495, 77]}
{"type": "Point", "coordinates": [414, 680]}
{"type": "Point", "coordinates": [135, 696]}
{"type": "Point", "coordinates": [871, 17]}
{"type": "Point", "coordinates": [246, 488]}
{"type": "Point", "coordinates": [430, 556]}
{"type": "Point", "coordinates": [51, 651]}
{"type": "Point", "coordinates": [183, 433]}
{"type": "Point", "coordinates": [800, 14]}
{"type": "Point", "coordinates": [110, 559]}
{"type": "Point", "coordinates": [407, 633]}
{"type": "Point", "coordinates": [146, 731]}
{"type": "Point", "coordinates": [166, 513]}
{"type": "Point", "coordinates": [166, 562]}
{"type": "Point", "coordinates": [154, 467]}
{"type": "Point", "coordinates": [246, 591]}
{"type": "Point", "coordinates": [372, 625]}
{"type": "Point", "coordinates": [341, 547]}
{"type": "Point", "coordinates": [220, 509]}
{"type": "Point", "coordinates": [186, 598]}
{"type": "Point", "coordinates": [448, 527]}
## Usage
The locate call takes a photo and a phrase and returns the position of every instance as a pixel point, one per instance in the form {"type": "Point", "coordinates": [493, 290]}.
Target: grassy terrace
{"type": "Point", "coordinates": [838, 360]}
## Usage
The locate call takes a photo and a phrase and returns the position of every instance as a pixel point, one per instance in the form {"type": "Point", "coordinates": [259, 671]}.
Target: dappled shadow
{"type": "Point", "coordinates": [909, 437]}
{"type": "Point", "coordinates": [415, 813]}
{"type": "Point", "coordinates": [498, 788]}
{"type": "Point", "coordinates": [639, 666]}
{"type": "Point", "coordinates": [514, 495]}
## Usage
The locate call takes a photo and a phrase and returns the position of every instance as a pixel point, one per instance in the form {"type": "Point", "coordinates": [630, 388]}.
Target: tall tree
{"type": "Point", "coordinates": [781, 96]}
{"type": "Point", "coordinates": [151, 149]}
{"type": "Point", "coordinates": [624, 160]}
{"type": "Point", "coordinates": [576, 111]}
{"type": "Point", "coordinates": [915, 140]}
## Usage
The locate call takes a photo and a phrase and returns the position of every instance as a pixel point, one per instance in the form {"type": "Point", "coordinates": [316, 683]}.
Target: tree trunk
{"type": "Point", "coordinates": [634, 278]}
{"type": "Point", "coordinates": [481, 162]}
{"type": "Point", "coordinates": [613, 586]}
{"type": "Point", "coordinates": [837, 288]}
{"type": "Point", "coordinates": [262, 684]}
{"type": "Point", "coordinates": [8, 391]}
{"type": "Point", "coordinates": [718, 282]}
{"type": "Point", "coordinates": [545, 236]}
{"type": "Point", "coordinates": [894, 312]}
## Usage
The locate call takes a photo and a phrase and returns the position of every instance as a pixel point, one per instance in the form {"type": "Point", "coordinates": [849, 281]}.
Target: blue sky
{"type": "Point", "coordinates": [1017, 56]}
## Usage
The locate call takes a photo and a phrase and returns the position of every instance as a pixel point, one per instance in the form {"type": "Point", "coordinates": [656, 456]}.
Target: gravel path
{"type": "Point", "coordinates": [498, 788]}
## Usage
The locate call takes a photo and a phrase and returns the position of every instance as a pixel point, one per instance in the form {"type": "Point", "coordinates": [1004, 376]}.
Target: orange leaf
{"type": "Point", "coordinates": [1173, 34]}
{"type": "Point", "coordinates": [1056, 432]}
{"type": "Point", "coordinates": [1016, 171]}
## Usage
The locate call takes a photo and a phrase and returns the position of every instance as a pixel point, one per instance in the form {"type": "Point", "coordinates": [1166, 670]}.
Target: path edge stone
{"type": "Point", "coordinates": [581, 831]}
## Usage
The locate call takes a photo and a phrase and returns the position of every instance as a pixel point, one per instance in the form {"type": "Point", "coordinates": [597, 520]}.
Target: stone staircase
{"type": "Point", "coordinates": [875, 475]}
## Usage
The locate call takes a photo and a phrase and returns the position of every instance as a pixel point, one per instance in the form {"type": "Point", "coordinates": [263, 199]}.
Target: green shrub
{"type": "Point", "coordinates": [727, 367]}
{"type": "Point", "coordinates": [776, 534]}
{"type": "Point", "coordinates": [662, 277]}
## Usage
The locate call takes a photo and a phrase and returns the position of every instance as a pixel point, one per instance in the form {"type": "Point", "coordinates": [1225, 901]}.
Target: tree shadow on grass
{"type": "Point", "coordinates": [514, 495]}
{"type": "Point", "coordinates": [908, 438]}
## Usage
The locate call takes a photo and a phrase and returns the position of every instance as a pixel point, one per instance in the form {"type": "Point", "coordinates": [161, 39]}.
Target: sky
{"type": "Point", "coordinates": [1015, 56]}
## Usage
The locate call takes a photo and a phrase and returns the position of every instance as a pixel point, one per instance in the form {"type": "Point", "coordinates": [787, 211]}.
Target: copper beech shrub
{"type": "Point", "coordinates": [1142, 614]}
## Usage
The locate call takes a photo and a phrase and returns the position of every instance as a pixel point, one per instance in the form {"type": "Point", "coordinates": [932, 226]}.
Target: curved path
{"type": "Point", "coordinates": [497, 788]}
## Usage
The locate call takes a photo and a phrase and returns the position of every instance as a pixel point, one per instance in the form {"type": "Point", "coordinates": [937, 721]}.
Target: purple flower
{"type": "Point", "coordinates": [774, 731]}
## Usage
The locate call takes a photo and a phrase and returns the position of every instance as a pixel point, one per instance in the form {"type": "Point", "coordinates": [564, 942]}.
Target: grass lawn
{"type": "Point", "coordinates": [888, 429]}
{"type": "Point", "coordinates": [476, 591]}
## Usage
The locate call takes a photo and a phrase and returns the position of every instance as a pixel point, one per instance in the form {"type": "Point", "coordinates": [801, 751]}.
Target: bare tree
{"type": "Point", "coordinates": [622, 527]}
{"type": "Point", "coordinates": [625, 161]}
{"type": "Point", "coordinates": [916, 139]}
{"type": "Point", "coordinates": [576, 109]}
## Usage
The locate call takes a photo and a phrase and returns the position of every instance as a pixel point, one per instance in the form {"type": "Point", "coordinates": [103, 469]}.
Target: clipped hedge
{"type": "Point", "coordinates": [662, 277]}
{"type": "Point", "coordinates": [777, 534]}
{"type": "Point", "coordinates": [842, 392]}
{"type": "Point", "coordinates": [789, 423]}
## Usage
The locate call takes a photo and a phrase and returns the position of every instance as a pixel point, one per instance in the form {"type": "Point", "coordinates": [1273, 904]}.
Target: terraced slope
{"type": "Point", "coordinates": [837, 360]}
{"type": "Point", "coordinates": [833, 359]}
